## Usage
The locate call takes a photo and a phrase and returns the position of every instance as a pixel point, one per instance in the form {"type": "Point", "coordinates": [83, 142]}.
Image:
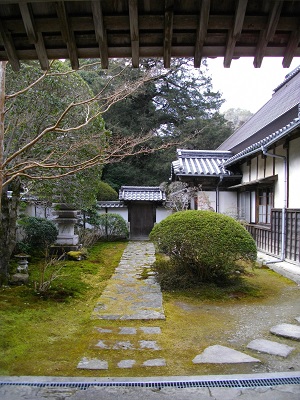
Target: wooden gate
{"type": "Point", "coordinates": [141, 218]}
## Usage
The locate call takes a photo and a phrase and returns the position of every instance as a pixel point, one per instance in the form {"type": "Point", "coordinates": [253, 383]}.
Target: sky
{"type": "Point", "coordinates": [246, 87]}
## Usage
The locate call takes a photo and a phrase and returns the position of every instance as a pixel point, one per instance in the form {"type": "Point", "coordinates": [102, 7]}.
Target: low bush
{"type": "Point", "coordinates": [39, 234]}
{"type": "Point", "coordinates": [112, 226]}
{"type": "Point", "coordinates": [204, 245]}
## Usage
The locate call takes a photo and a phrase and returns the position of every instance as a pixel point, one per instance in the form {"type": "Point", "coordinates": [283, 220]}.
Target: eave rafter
{"type": "Point", "coordinates": [100, 32]}
{"type": "Point", "coordinates": [134, 32]}
{"type": "Point", "coordinates": [67, 33]}
{"type": "Point", "coordinates": [34, 36]}
{"type": "Point", "coordinates": [235, 33]}
{"type": "Point", "coordinates": [267, 34]}
{"type": "Point", "coordinates": [201, 32]}
{"type": "Point", "coordinates": [168, 32]}
{"type": "Point", "coordinates": [9, 48]}
{"type": "Point", "coordinates": [291, 47]}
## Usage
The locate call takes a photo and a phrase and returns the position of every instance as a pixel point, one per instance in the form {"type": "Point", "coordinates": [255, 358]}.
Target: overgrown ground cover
{"type": "Point", "coordinates": [42, 336]}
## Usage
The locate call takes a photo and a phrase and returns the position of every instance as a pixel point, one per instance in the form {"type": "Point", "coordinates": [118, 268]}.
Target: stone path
{"type": "Point", "coordinates": [132, 292]}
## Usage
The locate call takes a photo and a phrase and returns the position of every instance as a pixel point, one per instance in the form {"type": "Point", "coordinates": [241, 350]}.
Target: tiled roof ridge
{"type": "Point", "coordinates": [287, 78]}
{"type": "Point", "coordinates": [267, 141]}
{"type": "Point", "coordinates": [206, 153]}
{"type": "Point", "coordinates": [140, 188]}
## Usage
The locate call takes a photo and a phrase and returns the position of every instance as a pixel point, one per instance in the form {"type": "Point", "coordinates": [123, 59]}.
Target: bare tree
{"type": "Point", "coordinates": [61, 143]}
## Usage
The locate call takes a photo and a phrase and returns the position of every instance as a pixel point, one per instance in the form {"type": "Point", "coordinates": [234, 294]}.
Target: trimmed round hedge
{"type": "Point", "coordinates": [205, 244]}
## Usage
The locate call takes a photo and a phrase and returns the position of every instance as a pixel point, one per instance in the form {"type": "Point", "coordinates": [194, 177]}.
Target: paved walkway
{"type": "Point", "coordinates": [133, 294]}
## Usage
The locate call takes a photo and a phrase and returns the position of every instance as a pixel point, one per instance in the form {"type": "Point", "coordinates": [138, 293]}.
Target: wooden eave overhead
{"type": "Point", "coordinates": [45, 30]}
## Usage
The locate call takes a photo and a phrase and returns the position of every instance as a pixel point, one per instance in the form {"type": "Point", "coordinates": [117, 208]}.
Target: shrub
{"type": "Point", "coordinates": [106, 192]}
{"type": "Point", "coordinates": [39, 233]}
{"type": "Point", "coordinates": [111, 227]}
{"type": "Point", "coordinates": [204, 244]}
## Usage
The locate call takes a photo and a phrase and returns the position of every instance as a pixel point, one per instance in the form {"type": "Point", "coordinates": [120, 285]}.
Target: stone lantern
{"type": "Point", "coordinates": [66, 220]}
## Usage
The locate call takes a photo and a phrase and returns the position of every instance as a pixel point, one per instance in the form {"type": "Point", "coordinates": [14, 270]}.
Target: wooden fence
{"type": "Point", "coordinates": [268, 238]}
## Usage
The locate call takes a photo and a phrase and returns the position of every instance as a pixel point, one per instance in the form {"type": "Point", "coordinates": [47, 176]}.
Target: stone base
{"type": "Point", "coordinates": [19, 279]}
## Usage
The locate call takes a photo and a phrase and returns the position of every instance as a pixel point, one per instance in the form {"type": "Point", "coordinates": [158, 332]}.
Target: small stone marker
{"type": "Point", "coordinates": [92, 363]}
{"type": "Point", "coordinates": [287, 330]}
{"type": "Point", "coordinates": [156, 362]}
{"type": "Point", "coordinates": [269, 347]}
{"type": "Point", "coordinates": [126, 363]}
{"type": "Point", "coordinates": [222, 355]}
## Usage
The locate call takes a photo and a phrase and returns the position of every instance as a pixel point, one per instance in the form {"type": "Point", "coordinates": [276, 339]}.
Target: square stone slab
{"type": "Point", "coordinates": [126, 363]}
{"type": "Point", "coordinates": [149, 344]}
{"type": "Point", "coordinates": [127, 331]}
{"type": "Point", "coordinates": [156, 362]}
{"type": "Point", "coordinates": [151, 330]}
{"type": "Point", "coordinates": [286, 330]}
{"type": "Point", "coordinates": [269, 347]}
{"type": "Point", "coordinates": [222, 355]}
{"type": "Point", "coordinates": [92, 363]}
{"type": "Point", "coordinates": [103, 330]}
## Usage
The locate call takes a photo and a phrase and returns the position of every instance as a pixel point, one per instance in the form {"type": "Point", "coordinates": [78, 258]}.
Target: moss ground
{"type": "Point", "coordinates": [48, 336]}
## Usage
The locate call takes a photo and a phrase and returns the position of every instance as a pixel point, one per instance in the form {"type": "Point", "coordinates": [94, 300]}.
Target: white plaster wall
{"type": "Point", "coordinates": [279, 185]}
{"type": "Point", "coordinates": [123, 212]}
{"type": "Point", "coordinates": [253, 169]}
{"type": "Point", "coordinates": [228, 203]}
{"type": "Point", "coordinates": [261, 166]}
{"type": "Point", "coordinates": [253, 207]}
{"type": "Point", "coordinates": [294, 174]}
{"type": "Point", "coordinates": [245, 172]}
{"type": "Point", "coordinates": [269, 166]}
{"type": "Point", "coordinates": [162, 213]}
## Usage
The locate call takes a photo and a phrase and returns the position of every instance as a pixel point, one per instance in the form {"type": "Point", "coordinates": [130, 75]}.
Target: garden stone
{"type": "Point", "coordinates": [269, 347]}
{"type": "Point", "coordinates": [223, 355]}
{"type": "Point", "coordinates": [149, 344]}
{"type": "Point", "coordinates": [156, 362]}
{"type": "Point", "coordinates": [150, 330]}
{"type": "Point", "coordinates": [19, 279]}
{"type": "Point", "coordinates": [126, 363]}
{"type": "Point", "coordinates": [289, 331]}
{"type": "Point", "coordinates": [92, 363]}
{"type": "Point", "coordinates": [127, 331]}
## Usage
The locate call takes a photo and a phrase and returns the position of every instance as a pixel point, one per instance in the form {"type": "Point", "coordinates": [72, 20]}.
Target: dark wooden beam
{"type": "Point", "coordinates": [267, 34]}
{"type": "Point", "coordinates": [291, 48]}
{"type": "Point", "coordinates": [168, 32]}
{"type": "Point", "coordinates": [9, 48]}
{"type": "Point", "coordinates": [134, 32]}
{"type": "Point", "coordinates": [33, 36]}
{"type": "Point", "coordinates": [67, 34]}
{"type": "Point", "coordinates": [100, 32]}
{"type": "Point", "coordinates": [235, 33]}
{"type": "Point", "coordinates": [201, 31]}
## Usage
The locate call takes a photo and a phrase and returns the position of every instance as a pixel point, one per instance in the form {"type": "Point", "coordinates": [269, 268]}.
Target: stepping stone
{"type": "Point", "coordinates": [102, 345]}
{"type": "Point", "coordinates": [127, 331]}
{"type": "Point", "coordinates": [126, 363]}
{"type": "Point", "coordinates": [156, 362]}
{"type": "Point", "coordinates": [269, 347]}
{"type": "Point", "coordinates": [102, 330]}
{"type": "Point", "coordinates": [297, 319]}
{"type": "Point", "coordinates": [222, 355]}
{"type": "Point", "coordinates": [149, 344]}
{"type": "Point", "coordinates": [154, 330]}
{"type": "Point", "coordinates": [92, 363]}
{"type": "Point", "coordinates": [125, 345]}
{"type": "Point", "coordinates": [289, 331]}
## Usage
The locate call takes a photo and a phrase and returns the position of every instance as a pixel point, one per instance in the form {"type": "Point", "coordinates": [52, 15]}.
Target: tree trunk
{"type": "Point", "coordinates": [9, 216]}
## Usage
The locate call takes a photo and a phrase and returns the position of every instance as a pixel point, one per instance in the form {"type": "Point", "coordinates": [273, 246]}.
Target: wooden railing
{"type": "Point", "coordinates": [268, 238]}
